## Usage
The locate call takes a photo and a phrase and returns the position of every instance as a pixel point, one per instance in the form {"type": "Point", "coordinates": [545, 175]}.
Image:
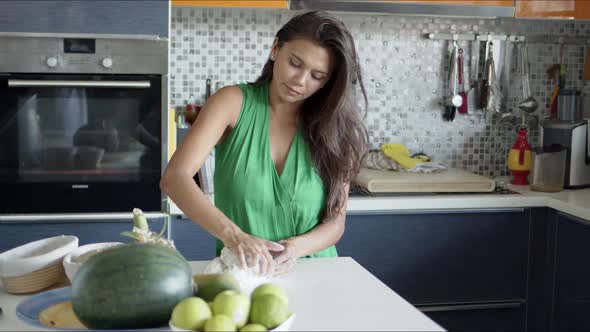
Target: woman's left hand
{"type": "Point", "coordinates": [285, 261]}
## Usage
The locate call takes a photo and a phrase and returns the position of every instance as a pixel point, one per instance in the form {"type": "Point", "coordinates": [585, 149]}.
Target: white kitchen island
{"type": "Point", "coordinates": [334, 294]}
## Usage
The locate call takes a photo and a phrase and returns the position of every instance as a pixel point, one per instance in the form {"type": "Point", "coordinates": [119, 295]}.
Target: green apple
{"type": "Point", "coordinates": [220, 323]}
{"type": "Point", "coordinates": [191, 313]}
{"type": "Point", "coordinates": [253, 328]}
{"type": "Point", "coordinates": [270, 289]}
{"type": "Point", "coordinates": [233, 305]}
{"type": "Point", "coordinates": [269, 310]}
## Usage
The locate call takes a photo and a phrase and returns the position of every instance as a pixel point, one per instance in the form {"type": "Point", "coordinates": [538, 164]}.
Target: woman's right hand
{"type": "Point", "coordinates": [252, 251]}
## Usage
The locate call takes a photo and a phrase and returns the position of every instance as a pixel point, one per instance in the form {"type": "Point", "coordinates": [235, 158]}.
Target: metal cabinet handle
{"type": "Point", "coordinates": [74, 217]}
{"type": "Point", "coordinates": [480, 306]}
{"type": "Point", "coordinates": [84, 84]}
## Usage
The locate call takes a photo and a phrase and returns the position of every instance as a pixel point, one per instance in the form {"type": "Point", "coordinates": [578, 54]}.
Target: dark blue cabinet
{"type": "Point", "coordinates": [571, 271]}
{"type": "Point", "coordinates": [463, 268]}
{"type": "Point", "coordinates": [509, 316]}
{"type": "Point", "coordinates": [431, 258]}
{"type": "Point", "coordinates": [193, 242]}
{"type": "Point", "coordinates": [14, 234]}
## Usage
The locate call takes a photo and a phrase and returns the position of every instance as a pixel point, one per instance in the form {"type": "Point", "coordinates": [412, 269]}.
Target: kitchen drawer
{"type": "Point", "coordinates": [443, 257]}
{"type": "Point", "coordinates": [14, 234]}
{"type": "Point", "coordinates": [509, 316]}
{"type": "Point", "coordinates": [193, 242]}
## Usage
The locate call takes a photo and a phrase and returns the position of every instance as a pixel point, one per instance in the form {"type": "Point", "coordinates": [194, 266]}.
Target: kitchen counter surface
{"type": "Point", "coordinates": [574, 202]}
{"type": "Point", "coordinates": [325, 294]}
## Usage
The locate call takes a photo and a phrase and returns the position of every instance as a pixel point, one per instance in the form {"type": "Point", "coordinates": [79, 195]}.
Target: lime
{"type": "Point", "coordinates": [233, 305]}
{"type": "Point", "coordinates": [270, 289]}
{"type": "Point", "coordinates": [253, 328]}
{"type": "Point", "coordinates": [269, 310]}
{"type": "Point", "coordinates": [191, 313]}
{"type": "Point", "coordinates": [220, 323]}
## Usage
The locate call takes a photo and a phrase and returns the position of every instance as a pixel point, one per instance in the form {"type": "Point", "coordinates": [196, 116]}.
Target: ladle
{"type": "Point", "coordinates": [529, 104]}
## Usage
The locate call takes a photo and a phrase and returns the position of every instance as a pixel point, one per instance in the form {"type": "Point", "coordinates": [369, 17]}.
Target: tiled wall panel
{"type": "Point", "coordinates": [403, 71]}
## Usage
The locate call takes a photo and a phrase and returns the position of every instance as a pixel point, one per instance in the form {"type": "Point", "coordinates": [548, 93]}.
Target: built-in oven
{"type": "Point", "coordinates": [83, 123]}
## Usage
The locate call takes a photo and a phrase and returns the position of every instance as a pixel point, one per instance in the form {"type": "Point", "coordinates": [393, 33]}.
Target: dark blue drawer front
{"type": "Point", "coordinates": [443, 258]}
{"type": "Point", "coordinates": [193, 242]}
{"type": "Point", "coordinates": [15, 234]}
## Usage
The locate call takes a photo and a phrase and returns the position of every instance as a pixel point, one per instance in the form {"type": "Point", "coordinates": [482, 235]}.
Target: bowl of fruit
{"type": "Point", "coordinates": [217, 307]}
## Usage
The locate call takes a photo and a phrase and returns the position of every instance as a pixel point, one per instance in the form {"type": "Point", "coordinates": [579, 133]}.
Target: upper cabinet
{"type": "Point", "coordinates": [233, 3]}
{"type": "Point", "coordinates": [573, 9]}
{"type": "Point", "coordinates": [462, 8]}
{"type": "Point", "coordinates": [507, 3]}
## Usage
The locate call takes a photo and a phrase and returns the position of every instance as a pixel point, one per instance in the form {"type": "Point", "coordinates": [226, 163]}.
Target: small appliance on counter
{"type": "Point", "coordinates": [575, 137]}
{"type": "Point", "coordinates": [548, 168]}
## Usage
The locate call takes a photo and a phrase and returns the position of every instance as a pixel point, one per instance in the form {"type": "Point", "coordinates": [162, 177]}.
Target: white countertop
{"type": "Point", "coordinates": [325, 294]}
{"type": "Point", "coordinates": [574, 202]}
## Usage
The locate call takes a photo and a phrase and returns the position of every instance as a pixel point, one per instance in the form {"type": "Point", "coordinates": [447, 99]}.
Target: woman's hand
{"type": "Point", "coordinates": [253, 251]}
{"type": "Point", "coordinates": [285, 259]}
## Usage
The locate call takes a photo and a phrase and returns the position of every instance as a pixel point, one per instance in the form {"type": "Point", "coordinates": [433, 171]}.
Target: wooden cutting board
{"type": "Point", "coordinates": [453, 180]}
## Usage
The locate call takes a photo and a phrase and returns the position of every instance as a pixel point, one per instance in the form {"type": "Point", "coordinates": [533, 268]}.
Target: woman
{"type": "Point", "coordinates": [286, 148]}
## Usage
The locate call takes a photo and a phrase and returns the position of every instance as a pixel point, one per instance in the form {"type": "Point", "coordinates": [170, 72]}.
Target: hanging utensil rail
{"type": "Point", "coordinates": [533, 39]}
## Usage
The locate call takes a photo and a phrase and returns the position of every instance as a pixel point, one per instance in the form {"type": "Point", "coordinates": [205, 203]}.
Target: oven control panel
{"type": "Point", "coordinates": [80, 53]}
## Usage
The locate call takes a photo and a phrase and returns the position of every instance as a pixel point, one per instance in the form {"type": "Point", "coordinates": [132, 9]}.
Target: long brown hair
{"type": "Point", "coordinates": [333, 125]}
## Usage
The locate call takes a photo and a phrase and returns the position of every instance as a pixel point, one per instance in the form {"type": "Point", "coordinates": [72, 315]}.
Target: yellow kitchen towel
{"type": "Point", "coordinates": [400, 154]}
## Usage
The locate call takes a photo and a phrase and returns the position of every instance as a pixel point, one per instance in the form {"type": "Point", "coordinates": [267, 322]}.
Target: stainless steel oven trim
{"type": "Point", "coordinates": [18, 218]}
{"type": "Point", "coordinates": [165, 206]}
{"type": "Point", "coordinates": [82, 35]}
{"type": "Point", "coordinates": [75, 83]}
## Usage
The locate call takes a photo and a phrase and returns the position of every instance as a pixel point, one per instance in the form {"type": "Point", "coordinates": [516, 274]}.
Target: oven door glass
{"type": "Point", "coordinates": [80, 143]}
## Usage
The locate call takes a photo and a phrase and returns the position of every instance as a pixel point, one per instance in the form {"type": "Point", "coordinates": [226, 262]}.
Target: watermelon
{"type": "Point", "coordinates": [131, 286]}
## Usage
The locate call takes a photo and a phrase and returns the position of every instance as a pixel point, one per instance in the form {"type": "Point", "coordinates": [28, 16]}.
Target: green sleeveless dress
{"type": "Point", "coordinates": [248, 188]}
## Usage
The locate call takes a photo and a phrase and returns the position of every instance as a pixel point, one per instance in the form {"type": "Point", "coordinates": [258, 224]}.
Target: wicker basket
{"type": "Point", "coordinates": [36, 280]}
{"type": "Point", "coordinates": [36, 265]}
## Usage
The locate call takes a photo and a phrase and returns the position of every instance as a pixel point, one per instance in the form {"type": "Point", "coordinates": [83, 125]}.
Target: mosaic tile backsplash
{"type": "Point", "coordinates": [405, 74]}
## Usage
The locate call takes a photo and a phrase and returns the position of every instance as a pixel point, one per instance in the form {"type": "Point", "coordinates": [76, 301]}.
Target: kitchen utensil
{"type": "Point", "coordinates": [548, 168]}
{"type": "Point", "coordinates": [529, 103]}
{"type": "Point", "coordinates": [484, 85]}
{"type": "Point", "coordinates": [553, 74]}
{"type": "Point", "coordinates": [453, 100]}
{"type": "Point", "coordinates": [493, 93]}
{"type": "Point", "coordinates": [463, 108]}
{"type": "Point", "coordinates": [507, 69]}
{"type": "Point", "coordinates": [473, 96]}
{"type": "Point", "coordinates": [207, 88]}
{"type": "Point", "coordinates": [470, 82]}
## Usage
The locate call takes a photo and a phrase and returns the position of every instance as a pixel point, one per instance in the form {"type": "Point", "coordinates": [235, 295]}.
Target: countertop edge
{"type": "Point", "coordinates": [568, 201]}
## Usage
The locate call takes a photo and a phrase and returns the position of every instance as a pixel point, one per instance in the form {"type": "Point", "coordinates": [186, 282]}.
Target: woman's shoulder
{"type": "Point", "coordinates": [225, 103]}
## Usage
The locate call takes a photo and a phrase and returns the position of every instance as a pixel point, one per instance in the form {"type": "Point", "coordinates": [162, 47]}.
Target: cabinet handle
{"type": "Point", "coordinates": [438, 211]}
{"type": "Point", "coordinates": [83, 84]}
{"type": "Point", "coordinates": [74, 217]}
{"type": "Point", "coordinates": [480, 306]}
